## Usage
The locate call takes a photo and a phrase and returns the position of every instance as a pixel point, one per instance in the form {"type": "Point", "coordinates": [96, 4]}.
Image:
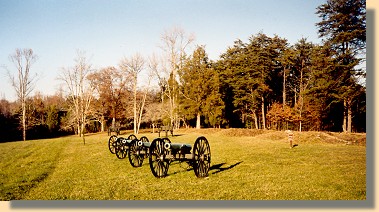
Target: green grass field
{"type": "Point", "coordinates": [246, 165]}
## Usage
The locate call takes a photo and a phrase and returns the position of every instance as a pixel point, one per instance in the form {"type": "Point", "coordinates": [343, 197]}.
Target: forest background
{"type": "Point", "coordinates": [264, 83]}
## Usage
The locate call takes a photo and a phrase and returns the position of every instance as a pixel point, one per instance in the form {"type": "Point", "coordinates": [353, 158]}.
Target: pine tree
{"type": "Point", "coordinates": [343, 26]}
{"type": "Point", "coordinates": [325, 83]}
{"type": "Point", "coordinates": [260, 54]}
{"type": "Point", "coordinates": [303, 50]}
{"type": "Point", "coordinates": [229, 68]}
{"type": "Point", "coordinates": [199, 87]}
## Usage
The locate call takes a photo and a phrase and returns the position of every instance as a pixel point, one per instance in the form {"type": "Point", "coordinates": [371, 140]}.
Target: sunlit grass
{"type": "Point", "coordinates": [255, 167]}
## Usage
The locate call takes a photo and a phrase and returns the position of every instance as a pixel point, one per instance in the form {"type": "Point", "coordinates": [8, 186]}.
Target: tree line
{"type": "Point", "coordinates": [264, 83]}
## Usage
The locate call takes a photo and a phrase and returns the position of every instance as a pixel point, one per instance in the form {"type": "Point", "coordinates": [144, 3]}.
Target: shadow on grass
{"type": "Point", "coordinates": [170, 136]}
{"type": "Point", "coordinates": [219, 167]}
{"type": "Point", "coordinates": [177, 135]}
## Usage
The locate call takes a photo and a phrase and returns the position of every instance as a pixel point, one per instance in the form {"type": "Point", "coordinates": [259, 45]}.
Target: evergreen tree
{"type": "Point", "coordinates": [303, 50]}
{"type": "Point", "coordinates": [324, 87]}
{"type": "Point", "coordinates": [200, 89]}
{"type": "Point", "coordinates": [261, 62]}
{"type": "Point", "coordinates": [265, 54]}
{"type": "Point", "coordinates": [236, 107]}
{"type": "Point", "coordinates": [243, 77]}
{"type": "Point", "coordinates": [343, 26]}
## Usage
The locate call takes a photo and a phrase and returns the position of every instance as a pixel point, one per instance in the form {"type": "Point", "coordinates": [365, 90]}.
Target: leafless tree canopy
{"type": "Point", "coordinates": [79, 89]}
{"type": "Point", "coordinates": [24, 82]}
{"type": "Point", "coordinates": [175, 43]}
{"type": "Point", "coordinates": [132, 66]}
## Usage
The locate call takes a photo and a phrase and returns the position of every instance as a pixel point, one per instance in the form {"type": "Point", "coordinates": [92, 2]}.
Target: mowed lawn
{"type": "Point", "coordinates": [246, 165]}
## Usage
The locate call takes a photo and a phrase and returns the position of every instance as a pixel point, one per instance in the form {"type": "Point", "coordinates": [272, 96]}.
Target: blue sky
{"type": "Point", "coordinates": [108, 30]}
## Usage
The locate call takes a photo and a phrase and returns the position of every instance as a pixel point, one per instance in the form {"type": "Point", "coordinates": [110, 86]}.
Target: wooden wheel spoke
{"type": "Point", "coordinates": [112, 144]}
{"type": "Point", "coordinates": [201, 157]}
{"type": "Point", "coordinates": [157, 168]}
{"type": "Point", "coordinates": [157, 154]}
{"type": "Point", "coordinates": [161, 170]}
{"type": "Point", "coordinates": [160, 157]}
{"type": "Point", "coordinates": [202, 148]}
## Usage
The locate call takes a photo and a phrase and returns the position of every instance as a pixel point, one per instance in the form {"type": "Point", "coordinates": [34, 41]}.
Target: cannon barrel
{"type": "Point", "coordinates": [144, 144]}
{"type": "Point", "coordinates": [174, 146]}
{"type": "Point", "coordinates": [125, 141]}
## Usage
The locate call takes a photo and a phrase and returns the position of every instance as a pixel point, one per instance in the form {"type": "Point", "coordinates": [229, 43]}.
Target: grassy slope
{"type": "Point", "coordinates": [246, 164]}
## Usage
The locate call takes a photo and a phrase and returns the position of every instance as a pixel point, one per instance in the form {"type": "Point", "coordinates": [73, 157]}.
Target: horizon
{"type": "Point", "coordinates": [110, 30]}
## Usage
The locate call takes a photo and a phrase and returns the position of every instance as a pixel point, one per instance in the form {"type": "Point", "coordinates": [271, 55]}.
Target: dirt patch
{"type": "Point", "coordinates": [236, 132]}
{"type": "Point", "coordinates": [230, 132]}
{"type": "Point", "coordinates": [331, 138]}
{"type": "Point", "coordinates": [299, 137]}
{"type": "Point", "coordinates": [205, 131]}
{"type": "Point", "coordinates": [350, 138]}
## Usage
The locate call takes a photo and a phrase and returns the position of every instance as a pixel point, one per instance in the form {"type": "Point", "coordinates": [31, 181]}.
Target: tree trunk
{"type": "Point", "coordinates": [23, 120]}
{"type": "Point", "coordinates": [255, 120]}
{"type": "Point", "coordinates": [141, 110]}
{"type": "Point", "coordinates": [82, 131]}
{"type": "Point", "coordinates": [135, 105]}
{"type": "Point", "coordinates": [263, 114]}
{"type": "Point", "coordinates": [78, 127]}
{"type": "Point", "coordinates": [140, 116]}
{"type": "Point", "coordinates": [284, 88]}
{"type": "Point", "coordinates": [349, 115]}
{"type": "Point", "coordinates": [198, 121]}
{"type": "Point", "coordinates": [301, 94]}
{"type": "Point", "coordinates": [300, 113]}
{"type": "Point", "coordinates": [102, 122]}
{"type": "Point", "coordinates": [344, 116]}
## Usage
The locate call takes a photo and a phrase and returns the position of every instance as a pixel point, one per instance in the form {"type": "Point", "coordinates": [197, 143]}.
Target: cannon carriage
{"type": "Point", "coordinates": [120, 146]}
{"type": "Point", "coordinates": [136, 149]}
{"type": "Point", "coordinates": [139, 150]}
{"type": "Point", "coordinates": [162, 153]}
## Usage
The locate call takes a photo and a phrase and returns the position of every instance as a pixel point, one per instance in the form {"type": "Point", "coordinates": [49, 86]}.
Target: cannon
{"type": "Point", "coordinates": [140, 150]}
{"type": "Point", "coordinates": [162, 153]}
{"type": "Point", "coordinates": [120, 146]}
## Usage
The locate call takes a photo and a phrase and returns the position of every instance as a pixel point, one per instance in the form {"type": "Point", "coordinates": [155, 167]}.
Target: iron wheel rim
{"type": "Point", "coordinates": [159, 164]}
{"type": "Point", "coordinates": [112, 144]}
{"type": "Point", "coordinates": [201, 157]}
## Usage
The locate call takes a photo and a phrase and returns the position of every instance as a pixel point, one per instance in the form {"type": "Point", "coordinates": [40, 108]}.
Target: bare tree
{"type": "Point", "coordinates": [80, 90]}
{"type": "Point", "coordinates": [24, 82]}
{"type": "Point", "coordinates": [150, 76]}
{"type": "Point", "coordinates": [132, 67]}
{"type": "Point", "coordinates": [175, 42]}
{"type": "Point", "coordinates": [111, 88]}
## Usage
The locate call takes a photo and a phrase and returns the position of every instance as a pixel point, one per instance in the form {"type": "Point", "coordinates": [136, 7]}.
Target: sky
{"type": "Point", "coordinates": [108, 30]}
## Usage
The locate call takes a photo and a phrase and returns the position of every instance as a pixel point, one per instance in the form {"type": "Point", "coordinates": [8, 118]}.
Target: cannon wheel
{"type": "Point", "coordinates": [112, 144]}
{"type": "Point", "coordinates": [132, 137]}
{"type": "Point", "coordinates": [158, 163]}
{"type": "Point", "coordinates": [166, 140]}
{"type": "Point", "coordinates": [135, 156]}
{"type": "Point", "coordinates": [121, 149]}
{"type": "Point", "coordinates": [201, 157]}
